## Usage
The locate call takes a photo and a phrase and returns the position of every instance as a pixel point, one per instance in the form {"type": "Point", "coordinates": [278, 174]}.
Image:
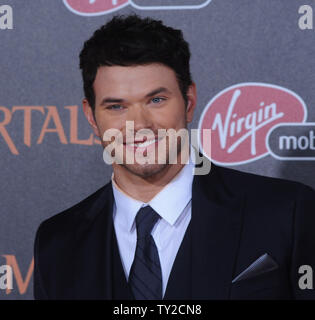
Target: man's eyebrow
{"type": "Point", "coordinates": [156, 91]}
{"type": "Point", "coordinates": [111, 100]}
{"type": "Point", "coordinates": [150, 94]}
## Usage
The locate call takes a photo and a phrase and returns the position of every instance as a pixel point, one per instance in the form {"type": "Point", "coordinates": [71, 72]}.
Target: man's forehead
{"type": "Point", "coordinates": [155, 70]}
{"type": "Point", "coordinates": [134, 79]}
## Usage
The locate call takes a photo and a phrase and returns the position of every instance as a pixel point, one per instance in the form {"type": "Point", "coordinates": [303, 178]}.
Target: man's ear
{"type": "Point", "coordinates": [88, 111]}
{"type": "Point", "coordinates": [191, 101]}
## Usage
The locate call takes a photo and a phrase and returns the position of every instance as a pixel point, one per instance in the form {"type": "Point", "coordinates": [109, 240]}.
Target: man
{"type": "Point", "coordinates": [157, 230]}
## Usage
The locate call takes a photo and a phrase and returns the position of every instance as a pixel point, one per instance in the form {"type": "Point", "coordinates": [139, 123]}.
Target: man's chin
{"type": "Point", "coordinates": [146, 170]}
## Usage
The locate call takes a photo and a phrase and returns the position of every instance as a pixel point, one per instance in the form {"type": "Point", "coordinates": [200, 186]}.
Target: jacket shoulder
{"type": "Point", "coordinates": [69, 217]}
{"type": "Point", "coordinates": [250, 183]}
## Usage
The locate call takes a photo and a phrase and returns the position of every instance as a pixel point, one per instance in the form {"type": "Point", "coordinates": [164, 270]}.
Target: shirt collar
{"type": "Point", "coordinates": [169, 203]}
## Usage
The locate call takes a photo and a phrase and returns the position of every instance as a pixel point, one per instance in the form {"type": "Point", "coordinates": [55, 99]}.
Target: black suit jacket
{"type": "Point", "coordinates": [236, 218]}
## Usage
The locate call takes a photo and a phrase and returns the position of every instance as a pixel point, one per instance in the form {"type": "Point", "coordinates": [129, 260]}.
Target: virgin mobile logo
{"type": "Point", "coordinates": [241, 116]}
{"type": "Point", "coordinates": [100, 7]}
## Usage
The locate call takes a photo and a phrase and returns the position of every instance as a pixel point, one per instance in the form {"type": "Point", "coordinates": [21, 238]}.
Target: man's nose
{"type": "Point", "coordinates": [140, 117]}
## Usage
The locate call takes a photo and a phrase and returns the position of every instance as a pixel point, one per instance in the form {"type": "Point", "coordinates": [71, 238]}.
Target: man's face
{"type": "Point", "coordinates": [148, 95]}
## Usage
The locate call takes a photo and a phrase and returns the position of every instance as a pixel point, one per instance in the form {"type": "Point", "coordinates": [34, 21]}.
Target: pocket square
{"type": "Point", "coordinates": [263, 264]}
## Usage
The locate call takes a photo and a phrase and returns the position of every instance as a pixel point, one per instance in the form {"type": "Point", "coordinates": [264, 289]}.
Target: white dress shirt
{"type": "Point", "coordinates": [172, 203]}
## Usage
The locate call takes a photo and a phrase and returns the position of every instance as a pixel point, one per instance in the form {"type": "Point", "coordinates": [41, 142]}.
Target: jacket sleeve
{"type": "Point", "coordinates": [39, 290]}
{"type": "Point", "coordinates": [303, 248]}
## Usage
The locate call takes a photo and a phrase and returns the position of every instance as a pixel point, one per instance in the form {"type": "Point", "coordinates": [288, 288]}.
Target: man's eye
{"type": "Point", "coordinates": [157, 100]}
{"type": "Point", "coordinates": [115, 107]}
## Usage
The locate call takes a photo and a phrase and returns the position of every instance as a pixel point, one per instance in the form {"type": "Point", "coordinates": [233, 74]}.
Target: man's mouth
{"type": "Point", "coordinates": [143, 143]}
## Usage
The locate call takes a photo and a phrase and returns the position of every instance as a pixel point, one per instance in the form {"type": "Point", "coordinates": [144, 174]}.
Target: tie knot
{"type": "Point", "coordinates": [145, 220]}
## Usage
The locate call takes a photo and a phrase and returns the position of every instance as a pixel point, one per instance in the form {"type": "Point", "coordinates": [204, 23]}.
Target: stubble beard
{"type": "Point", "coordinates": [151, 169]}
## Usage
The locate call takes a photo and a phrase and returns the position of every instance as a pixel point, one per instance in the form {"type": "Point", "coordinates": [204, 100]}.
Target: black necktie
{"type": "Point", "coordinates": [145, 278]}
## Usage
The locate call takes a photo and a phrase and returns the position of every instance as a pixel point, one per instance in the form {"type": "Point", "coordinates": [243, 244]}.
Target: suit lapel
{"type": "Point", "coordinates": [94, 240]}
{"type": "Point", "coordinates": [216, 228]}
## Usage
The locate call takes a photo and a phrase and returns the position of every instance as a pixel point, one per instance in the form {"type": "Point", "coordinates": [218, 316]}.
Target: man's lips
{"type": "Point", "coordinates": [156, 138]}
{"type": "Point", "coordinates": [143, 143]}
